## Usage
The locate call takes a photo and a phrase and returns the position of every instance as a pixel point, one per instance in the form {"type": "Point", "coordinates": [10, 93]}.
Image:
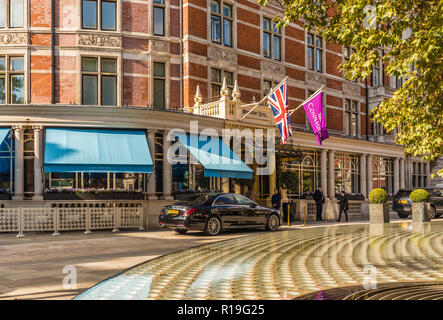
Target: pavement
{"type": "Point", "coordinates": [33, 267]}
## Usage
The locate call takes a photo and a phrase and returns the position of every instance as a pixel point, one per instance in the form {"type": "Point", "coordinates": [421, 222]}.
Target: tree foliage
{"type": "Point", "coordinates": [410, 35]}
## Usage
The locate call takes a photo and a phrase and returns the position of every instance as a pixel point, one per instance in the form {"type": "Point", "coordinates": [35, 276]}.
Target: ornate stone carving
{"type": "Point", "coordinates": [273, 67]}
{"type": "Point", "coordinates": [219, 53]}
{"type": "Point", "coordinates": [158, 45]}
{"type": "Point", "coordinates": [99, 40]}
{"type": "Point", "coordinates": [13, 38]}
{"type": "Point", "coordinates": [315, 78]}
{"type": "Point", "coordinates": [352, 89]}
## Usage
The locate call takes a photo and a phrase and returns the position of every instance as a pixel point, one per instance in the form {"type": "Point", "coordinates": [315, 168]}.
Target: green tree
{"type": "Point", "coordinates": [410, 33]}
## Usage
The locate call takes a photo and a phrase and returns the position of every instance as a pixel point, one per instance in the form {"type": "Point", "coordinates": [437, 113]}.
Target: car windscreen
{"type": "Point", "coordinates": [403, 193]}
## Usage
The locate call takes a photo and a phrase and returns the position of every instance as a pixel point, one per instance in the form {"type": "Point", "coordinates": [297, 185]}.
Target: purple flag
{"type": "Point", "coordinates": [316, 115]}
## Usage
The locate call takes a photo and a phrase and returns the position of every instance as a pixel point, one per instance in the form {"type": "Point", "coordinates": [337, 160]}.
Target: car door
{"type": "Point", "coordinates": [251, 213]}
{"type": "Point", "coordinates": [226, 207]}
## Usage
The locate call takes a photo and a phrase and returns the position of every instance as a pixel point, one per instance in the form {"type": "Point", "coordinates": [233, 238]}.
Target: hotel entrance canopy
{"type": "Point", "coordinates": [215, 156]}
{"type": "Point", "coordinates": [92, 150]}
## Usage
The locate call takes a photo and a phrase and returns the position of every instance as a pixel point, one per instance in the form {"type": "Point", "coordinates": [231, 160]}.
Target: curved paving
{"type": "Point", "coordinates": [285, 264]}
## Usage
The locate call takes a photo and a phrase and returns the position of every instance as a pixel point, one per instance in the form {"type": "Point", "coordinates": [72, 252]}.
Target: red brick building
{"type": "Point", "coordinates": [82, 62]}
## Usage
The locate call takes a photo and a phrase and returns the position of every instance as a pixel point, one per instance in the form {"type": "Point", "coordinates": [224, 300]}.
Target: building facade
{"type": "Point", "coordinates": [157, 65]}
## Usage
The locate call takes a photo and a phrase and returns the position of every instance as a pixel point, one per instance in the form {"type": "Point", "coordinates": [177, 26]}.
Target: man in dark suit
{"type": "Point", "coordinates": [276, 200]}
{"type": "Point", "coordinates": [319, 201]}
{"type": "Point", "coordinates": [343, 202]}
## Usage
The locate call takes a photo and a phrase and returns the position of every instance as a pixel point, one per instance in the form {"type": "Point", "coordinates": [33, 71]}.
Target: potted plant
{"type": "Point", "coordinates": [378, 208]}
{"type": "Point", "coordinates": [420, 205]}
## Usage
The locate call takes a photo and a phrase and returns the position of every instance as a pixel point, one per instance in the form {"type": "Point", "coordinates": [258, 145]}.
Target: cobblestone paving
{"type": "Point", "coordinates": [285, 264]}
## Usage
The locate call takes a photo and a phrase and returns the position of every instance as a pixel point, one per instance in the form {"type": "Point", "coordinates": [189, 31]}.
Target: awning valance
{"type": "Point", "coordinates": [215, 156]}
{"type": "Point", "coordinates": [95, 150]}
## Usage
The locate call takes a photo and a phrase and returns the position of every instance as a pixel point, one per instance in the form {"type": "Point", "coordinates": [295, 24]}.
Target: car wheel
{"type": "Point", "coordinates": [181, 231]}
{"type": "Point", "coordinates": [432, 213]}
{"type": "Point", "coordinates": [273, 223]}
{"type": "Point", "coordinates": [403, 215]}
{"type": "Point", "coordinates": [213, 226]}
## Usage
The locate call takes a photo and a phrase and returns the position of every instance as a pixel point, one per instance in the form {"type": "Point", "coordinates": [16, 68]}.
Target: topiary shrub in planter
{"type": "Point", "coordinates": [378, 208]}
{"type": "Point", "coordinates": [420, 205]}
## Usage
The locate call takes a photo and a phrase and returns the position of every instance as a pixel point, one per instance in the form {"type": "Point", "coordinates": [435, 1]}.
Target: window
{"type": "Point", "coordinates": [419, 176]}
{"type": "Point", "coordinates": [315, 52]}
{"type": "Point", "coordinates": [268, 86]}
{"type": "Point", "coordinates": [99, 75]}
{"type": "Point", "coordinates": [347, 56]}
{"type": "Point", "coordinates": [376, 75]}
{"type": "Point", "coordinates": [99, 10]}
{"type": "Point", "coordinates": [399, 82]}
{"type": "Point", "coordinates": [12, 13]}
{"type": "Point", "coordinates": [159, 17]}
{"type": "Point", "coordinates": [159, 85]}
{"type": "Point", "coordinates": [347, 173]}
{"type": "Point", "coordinates": [271, 40]}
{"type": "Point", "coordinates": [221, 23]}
{"type": "Point", "coordinates": [217, 81]}
{"type": "Point", "coordinates": [383, 173]}
{"type": "Point", "coordinates": [351, 118]}
{"type": "Point", "coordinates": [12, 80]}
{"type": "Point", "coordinates": [243, 200]}
{"type": "Point", "coordinates": [226, 199]}
{"type": "Point", "coordinates": [7, 164]}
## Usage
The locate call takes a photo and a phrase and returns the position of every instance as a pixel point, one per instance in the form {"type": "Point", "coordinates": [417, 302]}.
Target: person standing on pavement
{"type": "Point", "coordinates": [276, 200]}
{"type": "Point", "coordinates": [319, 201]}
{"type": "Point", "coordinates": [343, 203]}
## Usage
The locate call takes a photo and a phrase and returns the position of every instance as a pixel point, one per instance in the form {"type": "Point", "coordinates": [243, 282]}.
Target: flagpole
{"type": "Point", "coordinates": [258, 103]}
{"type": "Point", "coordinates": [301, 105]}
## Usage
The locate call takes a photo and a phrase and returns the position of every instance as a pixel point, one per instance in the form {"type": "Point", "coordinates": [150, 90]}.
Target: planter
{"type": "Point", "coordinates": [379, 213]}
{"type": "Point", "coordinates": [92, 196]}
{"type": "Point", "coordinates": [420, 212]}
{"type": "Point", "coordinates": [5, 196]}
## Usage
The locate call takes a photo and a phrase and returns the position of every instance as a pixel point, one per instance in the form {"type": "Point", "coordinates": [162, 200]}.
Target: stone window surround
{"type": "Point", "coordinates": [355, 112]}
{"type": "Point", "coordinates": [7, 18]}
{"type": "Point", "coordinates": [118, 16]}
{"type": "Point", "coordinates": [222, 69]}
{"type": "Point", "coordinates": [271, 32]}
{"type": "Point", "coordinates": [100, 56]}
{"type": "Point", "coordinates": [233, 4]}
{"type": "Point", "coordinates": [166, 61]}
{"type": "Point", "coordinates": [25, 72]}
{"type": "Point", "coordinates": [323, 69]}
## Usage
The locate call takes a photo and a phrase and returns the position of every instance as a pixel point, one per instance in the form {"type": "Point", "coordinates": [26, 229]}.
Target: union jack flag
{"type": "Point", "coordinates": [278, 101]}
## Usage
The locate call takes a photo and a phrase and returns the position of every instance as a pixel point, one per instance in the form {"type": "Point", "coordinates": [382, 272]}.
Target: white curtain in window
{"type": "Point", "coordinates": [2, 13]}
{"type": "Point", "coordinates": [16, 13]}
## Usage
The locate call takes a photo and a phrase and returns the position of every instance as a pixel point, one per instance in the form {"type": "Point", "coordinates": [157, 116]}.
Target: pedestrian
{"type": "Point", "coordinates": [343, 202]}
{"type": "Point", "coordinates": [276, 200]}
{"type": "Point", "coordinates": [319, 201]}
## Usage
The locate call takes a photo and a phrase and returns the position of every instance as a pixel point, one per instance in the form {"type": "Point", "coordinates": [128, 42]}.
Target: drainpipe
{"type": "Point", "coordinates": [182, 102]}
{"type": "Point", "coordinates": [367, 108]}
{"type": "Point", "coordinates": [52, 54]}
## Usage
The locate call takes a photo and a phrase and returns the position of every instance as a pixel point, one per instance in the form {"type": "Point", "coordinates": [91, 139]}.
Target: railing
{"type": "Point", "coordinates": [211, 109]}
{"type": "Point", "coordinates": [58, 219]}
{"type": "Point", "coordinates": [355, 209]}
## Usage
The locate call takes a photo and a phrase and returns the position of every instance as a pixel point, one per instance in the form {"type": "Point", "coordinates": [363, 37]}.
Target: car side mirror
{"type": "Point", "coordinates": [252, 205]}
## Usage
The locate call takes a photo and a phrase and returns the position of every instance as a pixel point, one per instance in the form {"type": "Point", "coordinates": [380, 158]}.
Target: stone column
{"type": "Point", "coordinates": [152, 178]}
{"type": "Point", "coordinates": [324, 170]}
{"type": "Point", "coordinates": [396, 174]}
{"type": "Point", "coordinates": [369, 171]}
{"type": "Point", "coordinates": [272, 176]}
{"type": "Point", "coordinates": [363, 181]}
{"type": "Point", "coordinates": [19, 174]}
{"type": "Point", "coordinates": [402, 173]}
{"type": "Point", "coordinates": [167, 169]}
{"type": "Point", "coordinates": [225, 181]}
{"type": "Point", "coordinates": [428, 175]}
{"type": "Point", "coordinates": [331, 191]}
{"type": "Point", "coordinates": [420, 177]}
{"type": "Point", "coordinates": [38, 164]}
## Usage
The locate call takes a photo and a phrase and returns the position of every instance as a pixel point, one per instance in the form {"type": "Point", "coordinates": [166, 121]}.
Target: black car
{"type": "Point", "coordinates": [402, 204]}
{"type": "Point", "coordinates": [214, 212]}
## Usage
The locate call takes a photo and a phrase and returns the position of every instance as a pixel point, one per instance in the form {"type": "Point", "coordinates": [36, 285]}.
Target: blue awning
{"type": "Point", "coordinates": [92, 150]}
{"type": "Point", "coordinates": [3, 133]}
{"type": "Point", "coordinates": [215, 156]}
